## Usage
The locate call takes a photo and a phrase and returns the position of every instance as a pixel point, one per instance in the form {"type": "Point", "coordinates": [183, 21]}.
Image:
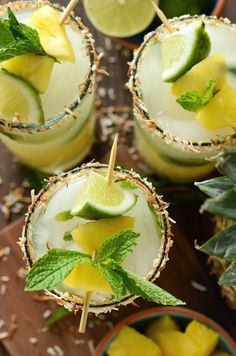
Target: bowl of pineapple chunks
{"type": "Point", "coordinates": [167, 331]}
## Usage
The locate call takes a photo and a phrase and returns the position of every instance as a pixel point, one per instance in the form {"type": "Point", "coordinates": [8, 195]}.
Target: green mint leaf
{"type": "Point", "coordinates": [228, 278]}
{"type": "Point", "coordinates": [142, 287]}
{"type": "Point", "coordinates": [210, 91]}
{"type": "Point", "coordinates": [114, 279]}
{"type": "Point", "coordinates": [194, 101]}
{"type": "Point", "coordinates": [67, 236]}
{"type": "Point", "coordinates": [117, 247]}
{"type": "Point", "coordinates": [215, 186]}
{"type": "Point", "coordinates": [223, 205]}
{"type": "Point", "coordinates": [222, 245]}
{"type": "Point", "coordinates": [25, 33]}
{"type": "Point", "coordinates": [5, 33]}
{"type": "Point", "coordinates": [128, 185]}
{"type": "Point", "coordinates": [191, 100]}
{"type": "Point", "coordinates": [57, 315]}
{"type": "Point", "coordinates": [17, 39]}
{"type": "Point", "coordinates": [53, 268]}
{"type": "Point", "coordinates": [64, 216]}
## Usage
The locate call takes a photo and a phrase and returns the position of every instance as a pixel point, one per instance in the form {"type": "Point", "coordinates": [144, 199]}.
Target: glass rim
{"type": "Point", "coordinates": [139, 105]}
{"type": "Point", "coordinates": [76, 301]}
{"type": "Point", "coordinates": [86, 85]}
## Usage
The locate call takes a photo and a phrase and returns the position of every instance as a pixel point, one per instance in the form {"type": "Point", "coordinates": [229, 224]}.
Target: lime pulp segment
{"type": "Point", "coordinates": [121, 18]}
{"type": "Point", "coordinates": [182, 50]}
{"type": "Point", "coordinates": [98, 199]}
{"type": "Point", "coordinates": [19, 100]}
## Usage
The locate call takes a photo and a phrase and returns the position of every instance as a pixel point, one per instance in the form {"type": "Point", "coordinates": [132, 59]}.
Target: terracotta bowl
{"type": "Point", "coordinates": [134, 41]}
{"type": "Point", "coordinates": [183, 316]}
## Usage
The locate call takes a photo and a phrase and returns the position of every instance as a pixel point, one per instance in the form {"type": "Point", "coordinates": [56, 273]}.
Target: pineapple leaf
{"type": "Point", "coordinates": [216, 186]}
{"type": "Point", "coordinates": [227, 163]}
{"type": "Point", "coordinates": [224, 205]}
{"type": "Point", "coordinates": [228, 278]}
{"type": "Point", "coordinates": [222, 245]}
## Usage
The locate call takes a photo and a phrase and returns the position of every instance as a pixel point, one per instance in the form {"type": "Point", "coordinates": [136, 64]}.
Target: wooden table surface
{"type": "Point", "coordinates": [190, 223]}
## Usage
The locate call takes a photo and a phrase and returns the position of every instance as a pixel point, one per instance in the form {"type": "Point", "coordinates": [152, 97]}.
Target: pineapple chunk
{"type": "Point", "coordinates": [36, 70]}
{"type": "Point", "coordinates": [220, 111]}
{"type": "Point", "coordinates": [213, 67]}
{"type": "Point", "coordinates": [174, 342]}
{"type": "Point", "coordinates": [164, 323]}
{"type": "Point", "coordinates": [205, 338]}
{"type": "Point", "coordinates": [130, 342]}
{"type": "Point", "coordinates": [87, 278]}
{"type": "Point", "coordinates": [52, 35]}
{"type": "Point", "coordinates": [91, 236]}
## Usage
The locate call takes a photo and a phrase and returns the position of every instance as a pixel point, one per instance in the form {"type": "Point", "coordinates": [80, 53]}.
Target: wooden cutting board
{"type": "Point", "coordinates": [180, 276]}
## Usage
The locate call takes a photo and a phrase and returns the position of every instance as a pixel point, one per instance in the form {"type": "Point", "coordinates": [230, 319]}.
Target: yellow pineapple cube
{"type": "Point", "coordinates": [129, 342]}
{"type": "Point", "coordinates": [176, 343]}
{"type": "Point", "coordinates": [220, 111]}
{"type": "Point", "coordinates": [205, 338]}
{"type": "Point", "coordinates": [87, 278]}
{"type": "Point", "coordinates": [164, 323]}
{"type": "Point", "coordinates": [36, 70]}
{"type": "Point", "coordinates": [91, 236]}
{"type": "Point", "coordinates": [53, 36]}
{"type": "Point", "coordinates": [213, 67]}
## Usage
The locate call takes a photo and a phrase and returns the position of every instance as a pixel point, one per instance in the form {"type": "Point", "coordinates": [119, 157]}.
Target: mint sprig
{"type": "Point", "coordinates": [17, 39]}
{"type": "Point", "coordinates": [51, 269]}
{"type": "Point", "coordinates": [194, 101]}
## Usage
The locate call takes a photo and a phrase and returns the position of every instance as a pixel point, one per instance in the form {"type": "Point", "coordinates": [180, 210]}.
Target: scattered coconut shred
{"type": "Point", "coordinates": [11, 330]}
{"type": "Point", "coordinates": [14, 202]}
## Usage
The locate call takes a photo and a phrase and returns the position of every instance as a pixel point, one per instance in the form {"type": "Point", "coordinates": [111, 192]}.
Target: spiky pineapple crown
{"type": "Point", "coordinates": [222, 202]}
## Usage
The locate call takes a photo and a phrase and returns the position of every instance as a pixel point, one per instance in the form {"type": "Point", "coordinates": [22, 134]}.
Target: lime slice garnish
{"type": "Point", "coordinates": [121, 18]}
{"type": "Point", "coordinates": [19, 100]}
{"type": "Point", "coordinates": [183, 49]}
{"type": "Point", "coordinates": [100, 200]}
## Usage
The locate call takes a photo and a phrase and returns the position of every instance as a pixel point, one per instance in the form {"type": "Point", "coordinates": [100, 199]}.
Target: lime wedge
{"type": "Point", "coordinates": [120, 18]}
{"type": "Point", "coordinates": [100, 200]}
{"type": "Point", "coordinates": [183, 49]}
{"type": "Point", "coordinates": [19, 100]}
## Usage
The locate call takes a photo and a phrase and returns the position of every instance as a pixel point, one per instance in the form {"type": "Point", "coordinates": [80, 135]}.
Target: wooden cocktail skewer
{"type": "Point", "coordinates": [72, 4]}
{"type": "Point", "coordinates": [162, 17]}
{"type": "Point", "coordinates": [112, 160]}
{"type": "Point", "coordinates": [87, 297]}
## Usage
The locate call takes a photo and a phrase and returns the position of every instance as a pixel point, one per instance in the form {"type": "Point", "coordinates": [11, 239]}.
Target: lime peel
{"type": "Point", "coordinates": [100, 200]}
{"type": "Point", "coordinates": [183, 49]}
{"type": "Point", "coordinates": [19, 100]}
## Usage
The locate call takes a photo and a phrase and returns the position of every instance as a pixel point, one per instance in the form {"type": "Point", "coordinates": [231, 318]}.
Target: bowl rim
{"type": "Point", "coordinates": [144, 314]}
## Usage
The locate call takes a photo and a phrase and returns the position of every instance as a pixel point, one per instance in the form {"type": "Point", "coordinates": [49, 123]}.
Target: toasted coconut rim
{"type": "Point", "coordinates": [75, 302]}
{"type": "Point", "coordinates": [85, 87]}
{"type": "Point", "coordinates": [139, 105]}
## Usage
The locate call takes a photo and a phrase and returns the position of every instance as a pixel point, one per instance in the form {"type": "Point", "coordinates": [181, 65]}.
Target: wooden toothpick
{"type": "Point", "coordinates": [112, 160]}
{"type": "Point", "coordinates": [72, 4]}
{"type": "Point", "coordinates": [162, 17]}
{"type": "Point", "coordinates": [87, 298]}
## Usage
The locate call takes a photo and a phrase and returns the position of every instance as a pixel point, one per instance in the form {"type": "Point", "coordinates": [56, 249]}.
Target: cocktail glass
{"type": "Point", "coordinates": [67, 135]}
{"type": "Point", "coordinates": [168, 138]}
